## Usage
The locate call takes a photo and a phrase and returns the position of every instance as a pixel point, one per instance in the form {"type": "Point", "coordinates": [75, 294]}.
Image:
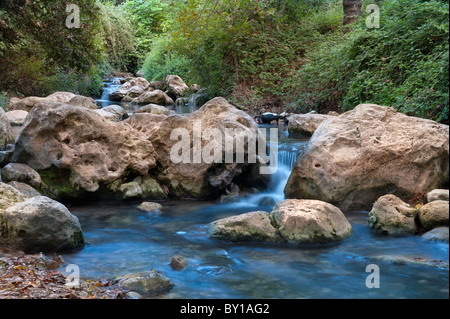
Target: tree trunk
{"type": "Point", "coordinates": [352, 10]}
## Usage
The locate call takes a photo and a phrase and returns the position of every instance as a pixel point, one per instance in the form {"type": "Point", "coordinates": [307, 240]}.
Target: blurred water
{"type": "Point", "coordinates": [123, 240]}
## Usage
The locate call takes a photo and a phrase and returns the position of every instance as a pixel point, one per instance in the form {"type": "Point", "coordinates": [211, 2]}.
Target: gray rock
{"type": "Point", "coordinates": [253, 226]}
{"type": "Point", "coordinates": [310, 222]}
{"type": "Point", "coordinates": [438, 194]}
{"type": "Point", "coordinates": [10, 196]}
{"type": "Point", "coordinates": [434, 214]}
{"type": "Point", "coordinates": [114, 113]}
{"type": "Point", "coordinates": [391, 215]}
{"type": "Point", "coordinates": [178, 262]}
{"type": "Point", "coordinates": [154, 97]}
{"type": "Point", "coordinates": [40, 224]}
{"type": "Point", "coordinates": [176, 85]}
{"type": "Point", "coordinates": [153, 109]}
{"type": "Point", "coordinates": [437, 234]}
{"type": "Point", "coordinates": [158, 85]}
{"type": "Point", "coordinates": [25, 189]}
{"type": "Point", "coordinates": [146, 283]}
{"type": "Point", "coordinates": [21, 173]}
{"type": "Point", "coordinates": [150, 207]}
{"type": "Point", "coordinates": [16, 118]}
{"type": "Point", "coordinates": [305, 124]}
{"type": "Point", "coordinates": [130, 190]}
{"type": "Point", "coordinates": [412, 260]}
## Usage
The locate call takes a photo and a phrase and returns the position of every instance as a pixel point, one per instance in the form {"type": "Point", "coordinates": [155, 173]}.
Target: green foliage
{"type": "Point", "coordinates": [37, 48]}
{"type": "Point", "coordinates": [245, 49]}
{"type": "Point", "coordinates": [403, 64]}
{"type": "Point", "coordinates": [4, 100]}
{"type": "Point", "coordinates": [160, 62]}
{"type": "Point", "coordinates": [147, 18]}
{"type": "Point", "coordinates": [43, 22]}
{"type": "Point", "coordinates": [118, 37]}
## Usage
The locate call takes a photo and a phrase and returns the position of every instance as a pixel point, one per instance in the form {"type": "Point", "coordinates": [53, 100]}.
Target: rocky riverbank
{"type": "Point", "coordinates": [66, 148]}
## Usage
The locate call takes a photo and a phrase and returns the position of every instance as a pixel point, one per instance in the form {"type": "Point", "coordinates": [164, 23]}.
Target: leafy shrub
{"type": "Point", "coordinates": [403, 64]}
{"type": "Point", "coordinates": [160, 62]}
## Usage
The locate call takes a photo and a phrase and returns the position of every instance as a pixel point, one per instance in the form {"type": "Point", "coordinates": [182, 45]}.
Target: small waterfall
{"type": "Point", "coordinates": [109, 87]}
{"type": "Point", "coordinates": [287, 156]}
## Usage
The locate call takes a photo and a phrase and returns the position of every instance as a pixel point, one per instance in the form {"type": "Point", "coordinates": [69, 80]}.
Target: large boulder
{"type": "Point", "coordinates": [6, 133]}
{"type": "Point", "coordinates": [154, 97]}
{"type": "Point", "coordinates": [76, 151]}
{"type": "Point", "coordinates": [310, 222]}
{"type": "Point", "coordinates": [253, 226]}
{"type": "Point", "coordinates": [176, 85]}
{"type": "Point", "coordinates": [197, 178]}
{"type": "Point", "coordinates": [391, 215]}
{"type": "Point", "coordinates": [40, 224]}
{"type": "Point", "coordinates": [21, 173]}
{"type": "Point", "coordinates": [293, 221]}
{"type": "Point", "coordinates": [434, 214]}
{"type": "Point", "coordinates": [304, 125]}
{"type": "Point", "coordinates": [353, 159]}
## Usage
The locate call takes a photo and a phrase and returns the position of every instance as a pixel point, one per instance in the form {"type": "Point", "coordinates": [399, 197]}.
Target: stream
{"type": "Point", "coordinates": [123, 240]}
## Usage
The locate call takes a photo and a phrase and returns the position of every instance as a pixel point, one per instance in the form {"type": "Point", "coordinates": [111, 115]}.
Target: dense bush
{"type": "Point", "coordinates": [403, 64]}
{"type": "Point", "coordinates": [160, 61]}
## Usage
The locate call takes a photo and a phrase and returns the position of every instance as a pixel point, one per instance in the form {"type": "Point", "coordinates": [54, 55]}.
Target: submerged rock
{"type": "Point", "coordinates": [149, 207]}
{"type": "Point", "coordinates": [353, 159]}
{"type": "Point", "coordinates": [410, 260]}
{"type": "Point", "coordinates": [178, 262]}
{"type": "Point", "coordinates": [148, 283]}
{"type": "Point", "coordinates": [437, 234]}
{"type": "Point", "coordinates": [40, 224]}
{"type": "Point", "coordinates": [390, 215]}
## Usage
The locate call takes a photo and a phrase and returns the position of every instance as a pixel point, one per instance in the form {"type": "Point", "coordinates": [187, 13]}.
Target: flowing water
{"type": "Point", "coordinates": [124, 240]}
